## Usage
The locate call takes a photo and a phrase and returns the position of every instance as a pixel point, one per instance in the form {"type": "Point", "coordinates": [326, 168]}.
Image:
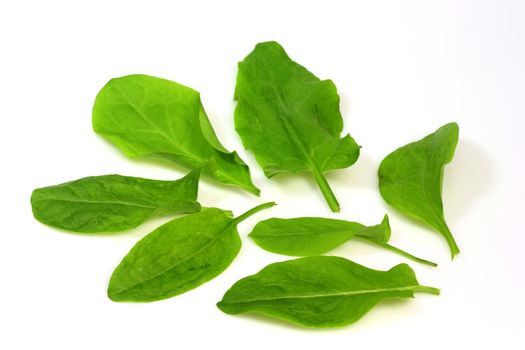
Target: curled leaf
{"type": "Point", "coordinates": [410, 179]}
{"type": "Point", "coordinates": [148, 116]}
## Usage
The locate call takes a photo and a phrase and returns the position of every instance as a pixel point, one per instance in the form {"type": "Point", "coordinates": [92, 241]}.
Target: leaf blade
{"type": "Point", "coordinates": [170, 260]}
{"type": "Point", "coordinates": [303, 236]}
{"type": "Point", "coordinates": [179, 256]}
{"type": "Point", "coordinates": [320, 291]}
{"type": "Point", "coordinates": [410, 179]}
{"type": "Point", "coordinates": [282, 103]}
{"type": "Point", "coordinates": [113, 203]}
{"type": "Point", "coordinates": [306, 236]}
{"type": "Point", "coordinates": [145, 116]}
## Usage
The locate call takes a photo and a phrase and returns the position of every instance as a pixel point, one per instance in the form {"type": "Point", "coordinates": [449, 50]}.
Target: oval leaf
{"type": "Point", "coordinates": [410, 179]}
{"type": "Point", "coordinates": [309, 235]}
{"type": "Point", "coordinates": [148, 116]}
{"type": "Point", "coordinates": [178, 256]}
{"type": "Point", "coordinates": [319, 291]}
{"type": "Point", "coordinates": [289, 118]}
{"type": "Point", "coordinates": [113, 203]}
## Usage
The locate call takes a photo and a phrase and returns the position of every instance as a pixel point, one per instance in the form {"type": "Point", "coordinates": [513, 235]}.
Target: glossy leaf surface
{"type": "Point", "coordinates": [148, 116]}
{"type": "Point", "coordinates": [314, 236]}
{"type": "Point", "coordinates": [319, 291]}
{"type": "Point", "coordinates": [290, 119]}
{"type": "Point", "coordinates": [178, 256]}
{"type": "Point", "coordinates": [112, 203]}
{"type": "Point", "coordinates": [410, 179]}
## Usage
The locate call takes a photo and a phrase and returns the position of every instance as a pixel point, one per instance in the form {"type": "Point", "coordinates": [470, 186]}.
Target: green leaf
{"type": "Point", "coordinates": [178, 256]}
{"type": "Point", "coordinates": [313, 236]}
{"type": "Point", "coordinates": [410, 179]}
{"type": "Point", "coordinates": [112, 203]}
{"type": "Point", "coordinates": [148, 116]}
{"type": "Point", "coordinates": [290, 119]}
{"type": "Point", "coordinates": [319, 291]}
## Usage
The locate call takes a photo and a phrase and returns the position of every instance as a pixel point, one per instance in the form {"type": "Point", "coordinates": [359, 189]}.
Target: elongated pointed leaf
{"type": "Point", "coordinates": [112, 203]}
{"type": "Point", "coordinates": [289, 118]}
{"type": "Point", "coordinates": [310, 235]}
{"type": "Point", "coordinates": [410, 179]}
{"type": "Point", "coordinates": [148, 116]}
{"type": "Point", "coordinates": [178, 256]}
{"type": "Point", "coordinates": [319, 291]}
{"type": "Point", "coordinates": [313, 236]}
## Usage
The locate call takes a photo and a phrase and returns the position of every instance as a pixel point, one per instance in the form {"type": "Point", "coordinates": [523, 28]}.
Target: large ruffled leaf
{"type": "Point", "coordinates": [290, 119]}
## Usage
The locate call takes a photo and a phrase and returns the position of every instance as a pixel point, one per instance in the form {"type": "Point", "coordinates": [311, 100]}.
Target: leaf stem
{"type": "Point", "coordinates": [254, 210]}
{"type": "Point", "coordinates": [312, 165]}
{"type": "Point", "coordinates": [454, 249]}
{"type": "Point", "coordinates": [426, 289]}
{"type": "Point", "coordinates": [325, 189]}
{"type": "Point", "coordinates": [402, 252]}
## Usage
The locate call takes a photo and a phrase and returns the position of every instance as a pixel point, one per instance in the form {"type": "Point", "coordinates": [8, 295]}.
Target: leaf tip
{"type": "Point", "coordinates": [112, 295]}
{"type": "Point", "coordinates": [452, 125]}
{"type": "Point", "coordinates": [386, 222]}
{"type": "Point", "coordinates": [221, 306]}
{"type": "Point", "coordinates": [255, 191]}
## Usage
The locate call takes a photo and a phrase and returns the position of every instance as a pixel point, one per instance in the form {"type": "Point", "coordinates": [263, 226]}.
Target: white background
{"type": "Point", "coordinates": [403, 68]}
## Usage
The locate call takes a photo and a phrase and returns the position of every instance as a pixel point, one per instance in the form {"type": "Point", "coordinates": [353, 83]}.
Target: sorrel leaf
{"type": "Point", "coordinates": [314, 236]}
{"type": "Point", "coordinates": [178, 256]}
{"type": "Point", "coordinates": [112, 203]}
{"type": "Point", "coordinates": [148, 116]}
{"type": "Point", "coordinates": [290, 119]}
{"type": "Point", "coordinates": [410, 179]}
{"type": "Point", "coordinates": [319, 291]}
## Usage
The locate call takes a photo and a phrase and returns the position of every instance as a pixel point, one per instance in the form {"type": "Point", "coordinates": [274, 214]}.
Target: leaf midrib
{"type": "Point", "coordinates": [287, 234]}
{"type": "Point", "coordinates": [171, 140]}
{"type": "Point", "coordinates": [141, 115]}
{"type": "Point", "coordinates": [172, 266]}
{"type": "Point", "coordinates": [335, 294]}
{"type": "Point", "coordinates": [100, 202]}
{"type": "Point", "coordinates": [288, 126]}
{"type": "Point", "coordinates": [438, 217]}
{"type": "Point", "coordinates": [294, 136]}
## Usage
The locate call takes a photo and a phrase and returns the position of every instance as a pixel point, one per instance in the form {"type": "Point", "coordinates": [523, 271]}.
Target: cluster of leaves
{"type": "Point", "coordinates": [281, 103]}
